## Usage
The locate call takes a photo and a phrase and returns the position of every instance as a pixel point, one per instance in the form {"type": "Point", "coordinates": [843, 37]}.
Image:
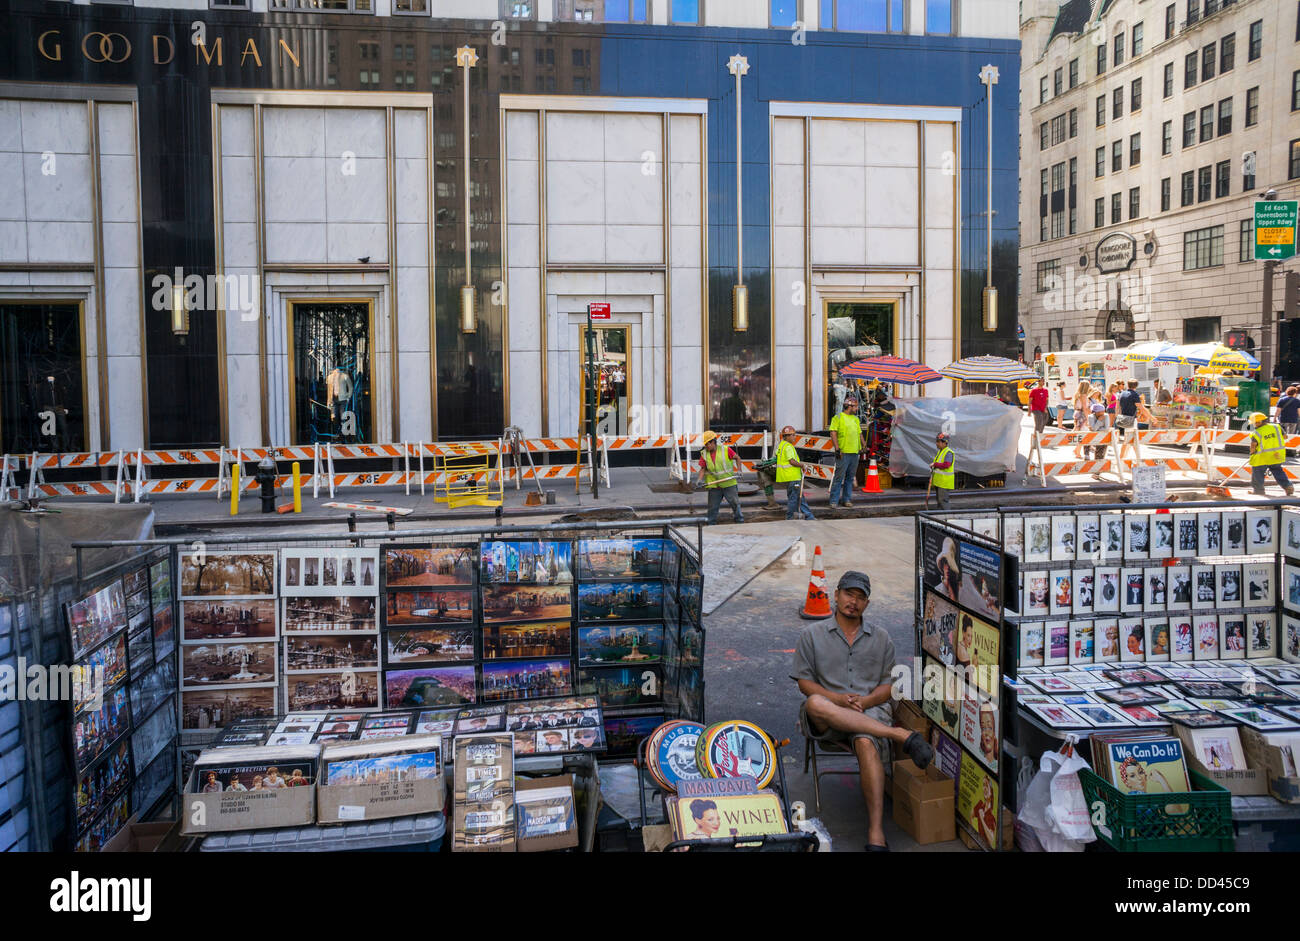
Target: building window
{"type": "Point", "coordinates": [1204, 179]}
{"type": "Point", "coordinates": [938, 17]}
{"type": "Point", "coordinates": [1222, 179]}
{"type": "Point", "coordinates": [1134, 150]}
{"type": "Point", "coordinates": [1188, 188]}
{"type": "Point", "coordinates": [1166, 138]}
{"type": "Point", "coordinates": [1058, 82]}
{"type": "Point", "coordinates": [1190, 66]}
{"type": "Point", "coordinates": [783, 13]}
{"type": "Point", "coordinates": [1101, 59]}
{"type": "Point", "coordinates": [1252, 106]}
{"type": "Point", "coordinates": [1207, 62]}
{"type": "Point", "coordinates": [1101, 162]}
{"type": "Point", "coordinates": [1055, 339]}
{"type": "Point", "coordinates": [1203, 248]}
{"type": "Point", "coordinates": [1207, 123]}
{"type": "Point", "coordinates": [1256, 47]}
{"type": "Point", "coordinates": [1227, 53]}
{"type": "Point", "coordinates": [1116, 208]}
{"type": "Point", "coordinates": [684, 12]}
{"type": "Point", "coordinates": [1043, 138]}
{"type": "Point", "coordinates": [1074, 123]}
{"type": "Point", "coordinates": [1225, 116]}
{"type": "Point", "coordinates": [518, 9]}
{"type": "Point", "coordinates": [1293, 160]}
{"type": "Point", "coordinates": [1202, 330]}
{"type": "Point", "coordinates": [1058, 129]}
{"type": "Point", "coordinates": [1169, 80]}
{"type": "Point", "coordinates": [1135, 49]}
{"type": "Point", "coordinates": [1295, 90]}
{"type": "Point", "coordinates": [581, 58]}
{"type": "Point", "coordinates": [1134, 202]}
{"type": "Point", "coordinates": [1047, 269]}
{"type": "Point", "coordinates": [229, 5]}
{"type": "Point", "coordinates": [1074, 219]}
{"type": "Point", "coordinates": [1117, 156]}
{"type": "Point", "coordinates": [1171, 19]}
{"type": "Point", "coordinates": [1099, 213]}
{"type": "Point", "coordinates": [1042, 89]}
{"type": "Point", "coordinates": [1189, 129]}
{"type": "Point", "coordinates": [412, 7]}
{"type": "Point", "coordinates": [1101, 110]}
{"type": "Point", "coordinates": [1193, 11]}
{"type": "Point", "coordinates": [1248, 171]}
{"type": "Point", "coordinates": [1074, 72]}
{"type": "Point", "coordinates": [1135, 95]}
{"type": "Point", "coordinates": [1117, 103]}
{"type": "Point", "coordinates": [863, 16]}
{"type": "Point", "coordinates": [1119, 48]}
{"type": "Point", "coordinates": [1164, 194]}
{"type": "Point", "coordinates": [601, 11]}
{"type": "Point", "coordinates": [1246, 240]}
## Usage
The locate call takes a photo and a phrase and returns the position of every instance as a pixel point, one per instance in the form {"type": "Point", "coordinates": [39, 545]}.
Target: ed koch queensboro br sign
{"type": "Point", "coordinates": [1115, 252]}
{"type": "Point", "coordinates": [1275, 226]}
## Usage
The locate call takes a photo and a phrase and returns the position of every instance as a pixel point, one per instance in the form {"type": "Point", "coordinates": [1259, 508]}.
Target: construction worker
{"type": "Point", "coordinates": [943, 471]}
{"type": "Point", "coordinates": [846, 435]}
{"type": "Point", "coordinates": [720, 469]}
{"type": "Point", "coordinates": [766, 472]}
{"type": "Point", "coordinates": [789, 471]}
{"type": "Point", "coordinates": [1267, 455]}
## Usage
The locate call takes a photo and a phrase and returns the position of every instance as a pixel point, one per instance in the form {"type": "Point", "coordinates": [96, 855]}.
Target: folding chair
{"type": "Point", "coordinates": [836, 751]}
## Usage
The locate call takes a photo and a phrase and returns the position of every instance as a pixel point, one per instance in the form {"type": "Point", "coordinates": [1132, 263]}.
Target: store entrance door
{"type": "Point", "coordinates": [42, 392]}
{"type": "Point", "coordinates": [330, 368]}
{"type": "Point", "coordinates": [855, 331]}
{"type": "Point", "coordinates": [612, 381]}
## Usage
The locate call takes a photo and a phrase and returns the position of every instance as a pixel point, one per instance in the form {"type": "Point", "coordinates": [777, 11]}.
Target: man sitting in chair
{"type": "Point", "coordinates": [843, 666]}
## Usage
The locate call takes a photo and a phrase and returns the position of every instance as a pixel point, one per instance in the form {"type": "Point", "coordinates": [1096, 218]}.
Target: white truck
{"type": "Point", "coordinates": [1101, 363]}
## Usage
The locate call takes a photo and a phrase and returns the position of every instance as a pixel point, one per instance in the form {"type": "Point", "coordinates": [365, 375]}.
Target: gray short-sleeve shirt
{"type": "Point", "coordinates": [822, 654]}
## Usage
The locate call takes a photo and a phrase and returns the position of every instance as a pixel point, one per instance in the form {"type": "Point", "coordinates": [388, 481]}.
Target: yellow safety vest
{"type": "Point", "coordinates": [849, 430]}
{"type": "Point", "coordinates": [1269, 448]}
{"type": "Point", "coordinates": [719, 473]}
{"type": "Point", "coordinates": [785, 471]}
{"type": "Point", "coordinates": [945, 479]}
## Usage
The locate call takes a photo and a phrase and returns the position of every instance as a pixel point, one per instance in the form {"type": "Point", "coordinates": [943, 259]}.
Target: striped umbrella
{"type": "Point", "coordinates": [987, 369]}
{"type": "Point", "coordinates": [890, 369]}
{"type": "Point", "coordinates": [1214, 355]}
{"type": "Point", "coordinates": [1146, 352]}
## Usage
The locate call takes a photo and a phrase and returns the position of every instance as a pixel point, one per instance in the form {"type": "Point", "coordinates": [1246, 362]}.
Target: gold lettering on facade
{"type": "Point", "coordinates": [171, 50]}
{"type": "Point", "coordinates": [107, 46]}
{"type": "Point", "coordinates": [284, 49]}
{"type": "Point", "coordinates": [250, 49]}
{"type": "Point", "coordinates": [58, 47]}
{"type": "Point", "coordinates": [201, 48]}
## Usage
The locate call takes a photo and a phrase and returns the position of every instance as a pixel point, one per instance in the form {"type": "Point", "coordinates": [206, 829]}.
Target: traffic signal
{"type": "Point", "coordinates": [1238, 340]}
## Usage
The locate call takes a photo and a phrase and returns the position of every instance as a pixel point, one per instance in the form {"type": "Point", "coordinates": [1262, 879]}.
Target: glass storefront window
{"type": "Point", "coordinates": [854, 331]}
{"type": "Point", "coordinates": [42, 396]}
{"type": "Point", "coordinates": [330, 372]}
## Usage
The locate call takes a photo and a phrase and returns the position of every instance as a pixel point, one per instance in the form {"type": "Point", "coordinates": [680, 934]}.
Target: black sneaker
{"type": "Point", "coordinates": [919, 750]}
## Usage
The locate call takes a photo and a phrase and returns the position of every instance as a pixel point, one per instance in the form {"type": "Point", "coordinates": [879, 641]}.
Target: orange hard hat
{"type": "Point", "coordinates": [787, 430]}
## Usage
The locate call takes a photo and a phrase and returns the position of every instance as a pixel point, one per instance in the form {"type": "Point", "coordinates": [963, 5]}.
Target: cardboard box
{"type": "Point", "coordinates": [550, 841]}
{"type": "Point", "coordinates": [379, 800]}
{"type": "Point", "coordinates": [1243, 782]}
{"type": "Point", "coordinates": [908, 715]}
{"type": "Point", "coordinates": [1268, 758]}
{"type": "Point", "coordinates": [138, 837]}
{"type": "Point", "coordinates": [924, 803]}
{"type": "Point", "coordinates": [246, 810]}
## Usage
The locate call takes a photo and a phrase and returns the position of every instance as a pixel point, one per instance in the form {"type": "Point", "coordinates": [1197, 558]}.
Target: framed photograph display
{"type": "Point", "coordinates": [1137, 531]}
{"type": "Point", "coordinates": [239, 619]}
{"type": "Point", "coordinates": [1257, 582]}
{"type": "Point", "coordinates": [1229, 579]}
{"type": "Point", "coordinates": [1182, 637]}
{"type": "Point", "coordinates": [227, 574]}
{"type": "Point", "coordinates": [1088, 526]}
{"type": "Point", "coordinates": [527, 562]}
{"type": "Point", "coordinates": [1057, 651]}
{"type": "Point", "coordinates": [522, 641]}
{"type": "Point", "coordinates": [1185, 536]}
{"type": "Point", "coordinates": [1057, 716]}
{"type": "Point", "coordinates": [1133, 640]}
{"type": "Point", "coordinates": [1178, 595]}
{"type": "Point", "coordinates": [1232, 636]}
{"type": "Point", "coordinates": [1210, 533]}
{"type": "Point", "coordinates": [1134, 586]}
{"type": "Point", "coordinates": [620, 600]}
{"type": "Point", "coordinates": [1234, 533]}
{"type": "Point", "coordinates": [1157, 584]}
{"type": "Point", "coordinates": [1261, 532]}
{"type": "Point", "coordinates": [1162, 536]}
{"type": "Point", "coordinates": [1261, 634]}
{"type": "Point", "coordinates": [527, 679]}
{"type": "Point", "coordinates": [1013, 543]}
{"type": "Point", "coordinates": [1207, 636]}
{"type": "Point", "coordinates": [1291, 585]}
{"type": "Point", "coordinates": [1157, 639]}
{"type": "Point", "coordinates": [1107, 590]}
{"type": "Point", "coordinates": [1103, 715]}
{"type": "Point", "coordinates": [1290, 524]}
{"type": "Point", "coordinates": [96, 617]}
{"type": "Point", "coordinates": [428, 566]}
{"type": "Point", "coordinates": [1082, 641]}
{"type": "Point", "coordinates": [430, 687]}
{"type": "Point", "coordinates": [216, 708]}
{"type": "Point", "coordinates": [1106, 640]}
{"type": "Point", "coordinates": [1038, 538]}
{"type": "Point", "coordinates": [1112, 536]}
{"type": "Point", "coordinates": [620, 644]}
{"type": "Point", "coordinates": [621, 686]}
{"type": "Point", "coordinates": [1063, 538]}
{"type": "Point", "coordinates": [207, 666]}
{"type": "Point", "coordinates": [403, 608]}
{"type": "Point", "coordinates": [1290, 638]}
{"type": "Point", "coordinates": [1205, 588]}
{"type": "Point", "coordinates": [1062, 591]}
{"type": "Point", "coordinates": [1036, 593]}
{"type": "Point", "coordinates": [1085, 590]}
{"type": "Point", "coordinates": [624, 558]}
{"type": "Point", "coordinates": [502, 603]}
{"type": "Point", "coordinates": [1031, 644]}
{"type": "Point", "coordinates": [329, 571]}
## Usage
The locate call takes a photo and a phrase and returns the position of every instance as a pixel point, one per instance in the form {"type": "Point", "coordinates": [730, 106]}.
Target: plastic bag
{"type": "Point", "coordinates": [1054, 804]}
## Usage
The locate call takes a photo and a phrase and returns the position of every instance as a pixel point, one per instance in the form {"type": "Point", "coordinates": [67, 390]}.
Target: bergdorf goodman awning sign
{"type": "Point", "coordinates": [1116, 252]}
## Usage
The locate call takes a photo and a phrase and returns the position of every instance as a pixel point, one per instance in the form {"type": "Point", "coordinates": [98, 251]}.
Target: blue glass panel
{"type": "Point", "coordinates": [616, 11]}
{"type": "Point", "coordinates": [784, 12]}
{"type": "Point", "coordinates": [686, 11]}
{"type": "Point", "coordinates": [896, 24]}
{"type": "Point", "coordinates": [638, 11]}
{"type": "Point", "coordinates": [938, 16]}
{"type": "Point", "coordinates": [863, 16]}
{"type": "Point", "coordinates": [826, 19]}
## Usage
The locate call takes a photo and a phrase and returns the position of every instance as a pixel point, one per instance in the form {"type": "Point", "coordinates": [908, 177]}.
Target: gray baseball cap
{"type": "Point", "coordinates": [855, 580]}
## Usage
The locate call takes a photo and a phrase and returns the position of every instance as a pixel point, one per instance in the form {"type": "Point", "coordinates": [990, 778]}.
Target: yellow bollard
{"type": "Point", "coordinates": [297, 488]}
{"type": "Point", "coordinates": [234, 490]}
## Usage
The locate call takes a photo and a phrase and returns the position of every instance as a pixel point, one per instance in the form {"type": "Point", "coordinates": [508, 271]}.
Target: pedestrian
{"type": "Point", "coordinates": [789, 471]}
{"type": "Point", "coordinates": [1267, 455]}
{"type": "Point", "coordinates": [1098, 422]}
{"type": "Point", "coordinates": [1112, 401]}
{"type": "Point", "coordinates": [943, 471]}
{"type": "Point", "coordinates": [1080, 406]}
{"type": "Point", "coordinates": [1288, 410]}
{"type": "Point", "coordinates": [1062, 405]}
{"type": "Point", "coordinates": [720, 468]}
{"type": "Point", "coordinates": [846, 436]}
{"type": "Point", "coordinates": [1038, 405]}
{"type": "Point", "coordinates": [1126, 418]}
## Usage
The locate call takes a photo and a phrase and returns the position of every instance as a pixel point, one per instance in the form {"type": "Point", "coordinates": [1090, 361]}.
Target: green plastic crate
{"type": "Point", "coordinates": [1158, 823]}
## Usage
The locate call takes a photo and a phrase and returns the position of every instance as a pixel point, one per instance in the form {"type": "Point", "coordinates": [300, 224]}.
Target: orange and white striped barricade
{"type": "Point", "coordinates": [1037, 465]}
{"type": "Point", "coordinates": [9, 491]}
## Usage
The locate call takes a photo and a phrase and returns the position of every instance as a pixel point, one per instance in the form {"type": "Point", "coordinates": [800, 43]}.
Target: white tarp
{"type": "Point", "coordinates": [984, 433]}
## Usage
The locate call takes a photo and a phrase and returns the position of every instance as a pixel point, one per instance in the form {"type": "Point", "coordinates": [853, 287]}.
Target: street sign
{"type": "Point", "coordinates": [1275, 227]}
{"type": "Point", "coordinates": [598, 311]}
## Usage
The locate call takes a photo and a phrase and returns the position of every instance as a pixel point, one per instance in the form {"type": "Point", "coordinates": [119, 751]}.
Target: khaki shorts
{"type": "Point", "coordinates": [882, 713]}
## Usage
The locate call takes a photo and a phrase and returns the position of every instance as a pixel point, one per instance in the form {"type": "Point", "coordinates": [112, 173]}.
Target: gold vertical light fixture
{"type": "Point", "coordinates": [180, 310]}
{"type": "Point", "coordinates": [989, 78]}
{"type": "Point", "coordinates": [738, 65]}
{"type": "Point", "coordinates": [466, 59]}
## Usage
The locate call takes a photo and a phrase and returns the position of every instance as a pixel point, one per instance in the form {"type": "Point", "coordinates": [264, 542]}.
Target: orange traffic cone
{"type": "Point", "coordinates": [873, 479]}
{"type": "Point", "coordinates": [818, 605]}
